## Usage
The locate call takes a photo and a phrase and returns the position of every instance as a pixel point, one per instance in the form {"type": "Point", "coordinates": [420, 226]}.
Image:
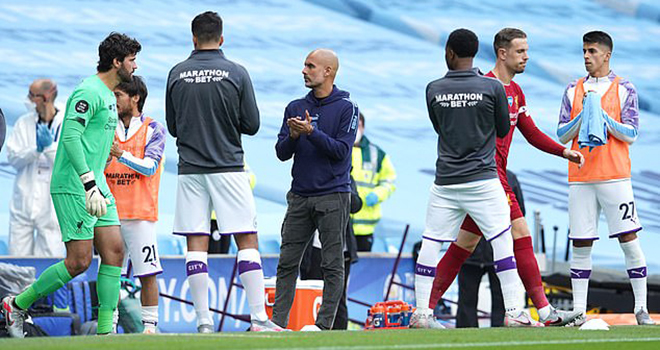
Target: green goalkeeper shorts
{"type": "Point", "coordinates": [76, 224]}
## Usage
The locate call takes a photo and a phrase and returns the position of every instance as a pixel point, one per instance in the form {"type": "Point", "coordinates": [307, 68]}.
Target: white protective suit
{"type": "Point", "coordinates": [31, 208]}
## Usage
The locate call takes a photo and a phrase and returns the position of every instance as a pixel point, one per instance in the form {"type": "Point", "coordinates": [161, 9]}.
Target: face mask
{"type": "Point", "coordinates": [30, 106]}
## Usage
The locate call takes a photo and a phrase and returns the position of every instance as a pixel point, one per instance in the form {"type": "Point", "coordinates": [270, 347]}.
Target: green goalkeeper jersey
{"type": "Point", "coordinates": [87, 134]}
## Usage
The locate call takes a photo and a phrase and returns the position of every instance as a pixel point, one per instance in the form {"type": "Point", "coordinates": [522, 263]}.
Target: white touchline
{"type": "Point", "coordinates": [416, 346]}
{"type": "Point", "coordinates": [468, 345]}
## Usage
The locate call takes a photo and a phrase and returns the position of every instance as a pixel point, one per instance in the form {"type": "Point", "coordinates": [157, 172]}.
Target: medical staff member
{"type": "Point", "coordinates": [31, 150]}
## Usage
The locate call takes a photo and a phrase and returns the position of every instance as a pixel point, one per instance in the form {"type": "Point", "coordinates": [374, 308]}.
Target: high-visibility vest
{"type": "Point", "coordinates": [607, 162]}
{"type": "Point", "coordinates": [136, 195]}
{"type": "Point", "coordinates": [373, 172]}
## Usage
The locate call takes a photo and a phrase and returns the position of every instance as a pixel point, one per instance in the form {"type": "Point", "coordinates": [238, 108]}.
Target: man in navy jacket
{"type": "Point", "coordinates": [318, 131]}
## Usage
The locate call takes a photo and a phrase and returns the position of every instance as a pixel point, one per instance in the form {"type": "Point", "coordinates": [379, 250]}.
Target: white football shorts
{"type": "Point", "coordinates": [614, 198]}
{"type": "Point", "coordinates": [484, 200]}
{"type": "Point", "coordinates": [141, 256]}
{"type": "Point", "coordinates": [228, 193]}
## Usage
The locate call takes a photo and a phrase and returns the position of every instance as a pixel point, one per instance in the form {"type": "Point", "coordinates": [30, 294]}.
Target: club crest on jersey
{"type": "Point", "coordinates": [315, 120]}
{"type": "Point", "coordinates": [513, 104]}
{"type": "Point", "coordinates": [513, 117]}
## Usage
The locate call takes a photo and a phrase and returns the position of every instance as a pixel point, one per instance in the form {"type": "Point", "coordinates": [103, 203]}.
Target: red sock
{"type": "Point", "coordinates": [528, 270]}
{"type": "Point", "coordinates": [446, 271]}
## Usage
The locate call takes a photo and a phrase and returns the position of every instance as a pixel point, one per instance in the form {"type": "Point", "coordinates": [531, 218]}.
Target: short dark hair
{"type": "Point", "coordinates": [207, 27]}
{"type": "Point", "coordinates": [504, 37]}
{"type": "Point", "coordinates": [135, 87]}
{"type": "Point", "coordinates": [463, 42]}
{"type": "Point", "coordinates": [598, 37]}
{"type": "Point", "coordinates": [118, 46]}
{"type": "Point", "coordinates": [362, 118]}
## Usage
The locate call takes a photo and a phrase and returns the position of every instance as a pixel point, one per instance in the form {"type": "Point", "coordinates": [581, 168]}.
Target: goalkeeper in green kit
{"type": "Point", "coordinates": [83, 203]}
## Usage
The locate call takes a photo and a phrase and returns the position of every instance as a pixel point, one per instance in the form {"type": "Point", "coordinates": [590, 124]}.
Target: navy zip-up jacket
{"type": "Point", "coordinates": [322, 159]}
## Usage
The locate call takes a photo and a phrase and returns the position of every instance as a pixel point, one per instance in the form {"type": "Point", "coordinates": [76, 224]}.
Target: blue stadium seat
{"type": "Point", "coordinates": [169, 246]}
{"type": "Point", "coordinates": [270, 246]}
{"type": "Point", "coordinates": [74, 302]}
{"type": "Point", "coordinates": [379, 245]}
{"type": "Point", "coordinates": [232, 247]}
{"type": "Point", "coordinates": [4, 249]}
{"type": "Point", "coordinates": [58, 325]}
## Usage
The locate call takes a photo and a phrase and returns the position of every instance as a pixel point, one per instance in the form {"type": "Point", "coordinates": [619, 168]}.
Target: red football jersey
{"type": "Point", "coordinates": [520, 117]}
{"type": "Point", "coordinates": [517, 111]}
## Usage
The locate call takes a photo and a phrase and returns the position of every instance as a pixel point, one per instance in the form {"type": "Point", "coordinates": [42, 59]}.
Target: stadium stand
{"type": "Point", "coordinates": [389, 51]}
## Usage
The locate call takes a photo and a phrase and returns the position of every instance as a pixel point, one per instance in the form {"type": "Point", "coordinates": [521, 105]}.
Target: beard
{"type": "Point", "coordinates": [124, 75]}
{"type": "Point", "coordinates": [310, 83]}
{"type": "Point", "coordinates": [123, 114]}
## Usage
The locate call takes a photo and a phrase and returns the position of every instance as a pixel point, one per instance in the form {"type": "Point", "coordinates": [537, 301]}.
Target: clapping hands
{"type": "Point", "coordinates": [298, 126]}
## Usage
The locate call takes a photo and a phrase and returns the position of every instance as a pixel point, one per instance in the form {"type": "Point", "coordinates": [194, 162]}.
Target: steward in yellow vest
{"type": "Point", "coordinates": [374, 175]}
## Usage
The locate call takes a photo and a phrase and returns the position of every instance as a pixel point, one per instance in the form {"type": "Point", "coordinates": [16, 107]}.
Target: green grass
{"type": "Point", "coordinates": [619, 338]}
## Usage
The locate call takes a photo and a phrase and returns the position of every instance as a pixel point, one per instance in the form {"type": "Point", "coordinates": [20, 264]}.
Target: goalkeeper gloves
{"type": "Point", "coordinates": [95, 202]}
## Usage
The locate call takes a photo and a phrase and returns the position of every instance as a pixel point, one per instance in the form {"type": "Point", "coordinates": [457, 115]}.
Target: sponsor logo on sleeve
{"type": "Point", "coordinates": [82, 106]}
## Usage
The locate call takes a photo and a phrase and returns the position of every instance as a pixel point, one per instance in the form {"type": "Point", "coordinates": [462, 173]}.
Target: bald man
{"type": "Point", "coordinates": [31, 150]}
{"type": "Point", "coordinates": [318, 131]}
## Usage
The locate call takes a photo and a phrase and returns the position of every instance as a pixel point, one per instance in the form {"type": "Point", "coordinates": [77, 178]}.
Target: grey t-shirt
{"type": "Point", "coordinates": [468, 110]}
{"type": "Point", "coordinates": [209, 103]}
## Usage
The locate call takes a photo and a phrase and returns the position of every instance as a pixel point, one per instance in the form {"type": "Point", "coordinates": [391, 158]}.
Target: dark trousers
{"type": "Point", "coordinates": [364, 242]}
{"type": "Point", "coordinates": [315, 273]}
{"type": "Point", "coordinates": [469, 279]}
{"type": "Point", "coordinates": [304, 215]}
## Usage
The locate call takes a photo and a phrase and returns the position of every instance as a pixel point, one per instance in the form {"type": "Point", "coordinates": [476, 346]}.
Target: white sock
{"type": "Point", "coordinates": [198, 280]}
{"type": "Point", "coordinates": [505, 268]}
{"type": "Point", "coordinates": [429, 256]}
{"type": "Point", "coordinates": [636, 266]}
{"type": "Point", "coordinates": [580, 273]}
{"type": "Point", "coordinates": [252, 278]}
{"type": "Point", "coordinates": [115, 320]}
{"type": "Point", "coordinates": [150, 315]}
{"type": "Point", "coordinates": [544, 312]}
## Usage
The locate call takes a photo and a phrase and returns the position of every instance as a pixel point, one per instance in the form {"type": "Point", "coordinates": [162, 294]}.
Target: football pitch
{"type": "Point", "coordinates": [620, 338]}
